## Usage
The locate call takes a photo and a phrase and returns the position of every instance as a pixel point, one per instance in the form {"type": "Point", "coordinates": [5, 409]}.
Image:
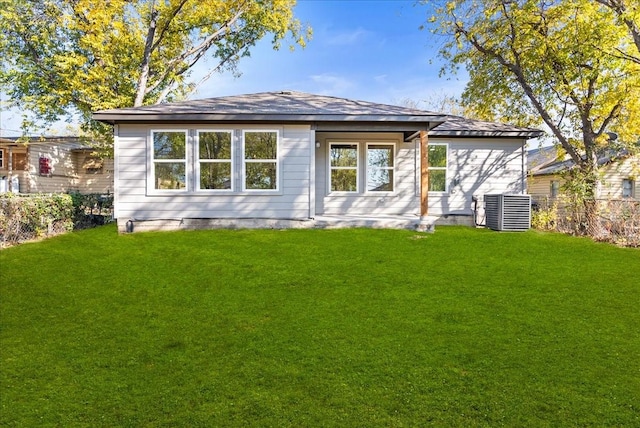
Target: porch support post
{"type": "Point", "coordinates": [424, 174]}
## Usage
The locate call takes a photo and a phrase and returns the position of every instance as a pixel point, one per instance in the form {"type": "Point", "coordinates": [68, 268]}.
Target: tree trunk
{"type": "Point", "coordinates": [146, 58]}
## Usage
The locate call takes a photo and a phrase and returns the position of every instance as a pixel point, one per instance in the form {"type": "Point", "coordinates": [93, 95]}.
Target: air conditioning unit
{"type": "Point", "coordinates": [508, 212]}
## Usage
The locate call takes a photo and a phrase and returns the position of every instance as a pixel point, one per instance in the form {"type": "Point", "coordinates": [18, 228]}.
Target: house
{"type": "Point", "coordinates": [52, 165]}
{"type": "Point", "coordinates": [619, 171]}
{"type": "Point", "coordinates": [292, 159]}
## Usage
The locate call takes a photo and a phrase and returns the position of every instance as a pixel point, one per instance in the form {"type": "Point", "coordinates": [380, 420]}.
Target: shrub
{"type": "Point", "coordinates": [26, 217]}
{"type": "Point", "coordinates": [545, 218]}
{"type": "Point", "coordinates": [92, 209]}
{"type": "Point", "coordinates": [616, 220]}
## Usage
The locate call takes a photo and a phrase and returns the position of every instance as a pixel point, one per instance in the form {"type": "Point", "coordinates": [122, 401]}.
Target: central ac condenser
{"type": "Point", "coordinates": [506, 212]}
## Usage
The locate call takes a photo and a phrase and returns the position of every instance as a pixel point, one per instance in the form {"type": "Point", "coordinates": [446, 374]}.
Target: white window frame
{"type": "Point", "coordinates": [2, 158]}
{"type": "Point", "coordinates": [331, 167]}
{"type": "Point", "coordinates": [152, 162]}
{"type": "Point", "coordinates": [198, 162]}
{"type": "Point", "coordinates": [631, 188]}
{"type": "Point", "coordinates": [440, 168]}
{"type": "Point", "coordinates": [392, 168]}
{"type": "Point", "coordinates": [245, 161]}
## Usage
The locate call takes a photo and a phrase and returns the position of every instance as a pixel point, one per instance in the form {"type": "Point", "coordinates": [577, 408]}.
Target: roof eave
{"type": "Point", "coordinates": [112, 117]}
{"type": "Point", "coordinates": [526, 134]}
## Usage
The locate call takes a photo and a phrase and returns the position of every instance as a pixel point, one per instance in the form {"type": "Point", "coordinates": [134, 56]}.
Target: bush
{"type": "Point", "coordinates": [93, 209]}
{"type": "Point", "coordinates": [616, 220]}
{"type": "Point", "coordinates": [26, 217]}
{"type": "Point", "coordinates": [545, 218]}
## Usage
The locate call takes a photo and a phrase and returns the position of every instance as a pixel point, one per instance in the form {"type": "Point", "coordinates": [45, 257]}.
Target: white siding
{"type": "Point", "coordinates": [476, 167]}
{"type": "Point", "coordinates": [134, 201]}
{"type": "Point", "coordinates": [403, 200]}
{"type": "Point", "coordinates": [479, 167]}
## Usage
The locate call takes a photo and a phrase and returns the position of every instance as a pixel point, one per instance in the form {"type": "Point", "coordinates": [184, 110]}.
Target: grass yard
{"type": "Point", "coordinates": [308, 328]}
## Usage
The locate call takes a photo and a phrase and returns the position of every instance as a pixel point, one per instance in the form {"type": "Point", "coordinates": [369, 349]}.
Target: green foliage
{"type": "Point", "coordinates": [545, 218]}
{"type": "Point", "coordinates": [91, 209]}
{"type": "Point", "coordinates": [301, 328]}
{"type": "Point", "coordinates": [34, 216]}
{"type": "Point", "coordinates": [570, 64]}
{"type": "Point", "coordinates": [72, 57]}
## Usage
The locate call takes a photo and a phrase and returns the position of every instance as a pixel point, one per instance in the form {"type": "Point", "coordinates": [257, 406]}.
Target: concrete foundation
{"type": "Point", "coordinates": [425, 224]}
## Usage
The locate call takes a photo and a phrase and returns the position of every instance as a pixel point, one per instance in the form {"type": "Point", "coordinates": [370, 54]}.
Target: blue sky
{"type": "Point", "coordinates": [369, 50]}
{"type": "Point", "coordinates": [362, 49]}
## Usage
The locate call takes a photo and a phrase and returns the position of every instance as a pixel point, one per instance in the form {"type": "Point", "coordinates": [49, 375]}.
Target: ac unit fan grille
{"type": "Point", "coordinates": [506, 212]}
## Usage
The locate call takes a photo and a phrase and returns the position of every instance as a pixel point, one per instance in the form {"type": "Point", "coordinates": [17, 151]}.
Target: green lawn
{"type": "Point", "coordinates": [308, 328]}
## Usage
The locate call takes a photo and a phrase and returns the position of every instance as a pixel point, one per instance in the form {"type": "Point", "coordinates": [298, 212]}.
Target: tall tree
{"type": "Point", "coordinates": [65, 57]}
{"type": "Point", "coordinates": [571, 64]}
{"type": "Point", "coordinates": [628, 12]}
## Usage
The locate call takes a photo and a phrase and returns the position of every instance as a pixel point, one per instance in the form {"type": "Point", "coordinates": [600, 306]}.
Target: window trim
{"type": "Point", "coordinates": [440, 168]}
{"type": "Point", "coordinates": [632, 188]}
{"type": "Point", "coordinates": [2, 158]}
{"type": "Point", "coordinates": [151, 170]}
{"type": "Point", "coordinates": [277, 161]}
{"type": "Point", "coordinates": [197, 161]}
{"type": "Point", "coordinates": [331, 168]}
{"type": "Point", "coordinates": [392, 168]}
{"type": "Point", "coordinates": [554, 188]}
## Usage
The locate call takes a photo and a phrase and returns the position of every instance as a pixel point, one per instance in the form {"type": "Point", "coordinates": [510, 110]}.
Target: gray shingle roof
{"type": "Point", "coordinates": [540, 157]}
{"type": "Point", "coordinates": [298, 106]}
{"type": "Point", "coordinates": [457, 126]}
{"type": "Point", "coordinates": [326, 112]}
{"type": "Point", "coordinates": [560, 165]}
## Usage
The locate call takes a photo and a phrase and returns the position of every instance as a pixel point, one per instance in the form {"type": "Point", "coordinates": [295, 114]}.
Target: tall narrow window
{"type": "Point", "coordinates": [343, 160]}
{"type": "Point", "coordinates": [628, 188]}
{"type": "Point", "coordinates": [214, 160]}
{"type": "Point", "coordinates": [261, 160]}
{"type": "Point", "coordinates": [555, 188]}
{"type": "Point", "coordinates": [169, 160]}
{"type": "Point", "coordinates": [437, 167]}
{"type": "Point", "coordinates": [2, 158]}
{"type": "Point", "coordinates": [380, 164]}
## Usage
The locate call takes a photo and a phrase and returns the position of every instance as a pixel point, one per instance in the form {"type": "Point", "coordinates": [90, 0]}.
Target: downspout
{"type": "Point", "coordinates": [523, 175]}
{"type": "Point", "coordinates": [116, 173]}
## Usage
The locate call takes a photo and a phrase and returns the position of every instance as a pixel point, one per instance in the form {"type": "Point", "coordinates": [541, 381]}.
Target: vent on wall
{"type": "Point", "coordinates": [508, 212]}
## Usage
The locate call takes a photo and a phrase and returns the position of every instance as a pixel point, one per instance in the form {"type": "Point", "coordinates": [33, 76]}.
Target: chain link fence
{"type": "Point", "coordinates": [611, 220]}
{"type": "Point", "coordinates": [28, 217]}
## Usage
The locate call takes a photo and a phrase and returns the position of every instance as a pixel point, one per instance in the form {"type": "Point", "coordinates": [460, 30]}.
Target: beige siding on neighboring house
{"type": "Point", "coordinates": [63, 174]}
{"type": "Point", "coordinates": [614, 174]}
{"type": "Point", "coordinates": [98, 180]}
{"type": "Point", "coordinates": [67, 162]}
{"type": "Point", "coordinates": [540, 185]}
{"type": "Point", "coordinates": [609, 186]}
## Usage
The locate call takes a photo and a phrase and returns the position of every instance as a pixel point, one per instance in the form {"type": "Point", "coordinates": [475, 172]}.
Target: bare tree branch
{"type": "Point", "coordinates": [174, 66]}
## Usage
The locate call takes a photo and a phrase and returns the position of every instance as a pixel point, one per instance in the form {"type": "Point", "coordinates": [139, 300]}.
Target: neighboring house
{"type": "Point", "coordinates": [52, 165]}
{"type": "Point", "coordinates": [619, 173]}
{"type": "Point", "coordinates": [289, 159]}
